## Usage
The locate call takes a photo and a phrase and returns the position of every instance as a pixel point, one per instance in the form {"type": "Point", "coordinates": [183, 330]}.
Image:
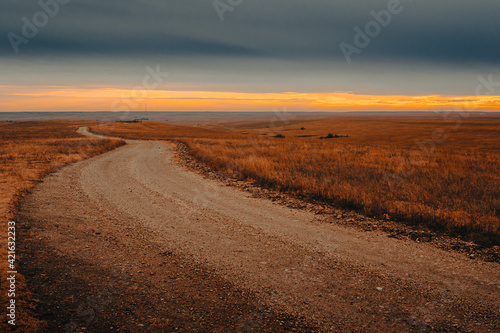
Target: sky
{"type": "Point", "coordinates": [249, 55]}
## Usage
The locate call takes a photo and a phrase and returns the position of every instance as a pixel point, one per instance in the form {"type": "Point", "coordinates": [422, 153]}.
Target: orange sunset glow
{"type": "Point", "coordinates": [89, 99]}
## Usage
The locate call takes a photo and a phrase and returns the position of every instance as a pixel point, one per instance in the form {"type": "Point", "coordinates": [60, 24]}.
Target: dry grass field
{"type": "Point", "coordinates": [435, 174]}
{"type": "Point", "coordinates": [440, 174]}
{"type": "Point", "coordinates": [29, 151]}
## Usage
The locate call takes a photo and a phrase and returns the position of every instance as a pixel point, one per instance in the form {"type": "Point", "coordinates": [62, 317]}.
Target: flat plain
{"type": "Point", "coordinates": [194, 254]}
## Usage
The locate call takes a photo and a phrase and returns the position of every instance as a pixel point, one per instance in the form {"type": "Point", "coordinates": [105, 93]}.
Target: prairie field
{"type": "Point", "coordinates": [431, 174]}
{"type": "Point", "coordinates": [28, 152]}
{"type": "Point", "coordinates": [437, 174]}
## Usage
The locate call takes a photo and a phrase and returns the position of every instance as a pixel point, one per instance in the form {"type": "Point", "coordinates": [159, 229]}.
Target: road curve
{"type": "Point", "coordinates": [118, 212]}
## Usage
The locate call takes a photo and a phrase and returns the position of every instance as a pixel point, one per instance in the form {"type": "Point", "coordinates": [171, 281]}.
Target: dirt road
{"type": "Point", "coordinates": [133, 241]}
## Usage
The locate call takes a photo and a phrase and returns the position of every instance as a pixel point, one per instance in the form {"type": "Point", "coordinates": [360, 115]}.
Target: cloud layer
{"type": "Point", "coordinates": [443, 31]}
{"type": "Point", "coordinates": [424, 48]}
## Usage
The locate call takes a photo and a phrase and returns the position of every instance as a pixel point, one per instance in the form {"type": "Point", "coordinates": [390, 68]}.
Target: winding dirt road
{"type": "Point", "coordinates": [133, 241]}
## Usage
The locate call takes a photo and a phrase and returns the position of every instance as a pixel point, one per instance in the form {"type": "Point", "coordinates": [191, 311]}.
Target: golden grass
{"type": "Point", "coordinates": [446, 191]}
{"type": "Point", "coordinates": [457, 133]}
{"type": "Point", "coordinates": [159, 131]}
{"type": "Point", "coordinates": [28, 151]}
{"type": "Point", "coordinates": [449, 182]}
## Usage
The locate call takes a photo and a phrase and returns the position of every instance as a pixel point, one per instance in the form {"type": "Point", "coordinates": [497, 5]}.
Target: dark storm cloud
{"type": "Point", "coordinates": [147, 43]}
{"type": "Point", "coordinates": [457, 31]}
